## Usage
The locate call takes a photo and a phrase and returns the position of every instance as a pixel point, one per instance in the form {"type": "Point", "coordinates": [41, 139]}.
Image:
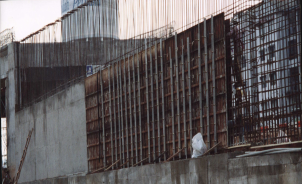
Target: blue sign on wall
{"type": "Point", "coordinates": [89, 70]}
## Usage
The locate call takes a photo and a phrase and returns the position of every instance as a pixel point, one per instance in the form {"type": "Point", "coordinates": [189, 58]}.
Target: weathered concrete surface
{"type": "Point", "coordinates": [58, 144]}
{"type": "Point", "coordinates": [8, 63]}
{"type": "Point", "coordinates": [278, 168]}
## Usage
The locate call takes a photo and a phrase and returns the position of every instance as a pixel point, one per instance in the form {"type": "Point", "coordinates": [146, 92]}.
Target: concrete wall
{"type": "Point", "coordinates": [58, 144]}
{"type": "Point", "coordinates": [278, 168]}
{"type": "Point", "coordinates": [7, 65]}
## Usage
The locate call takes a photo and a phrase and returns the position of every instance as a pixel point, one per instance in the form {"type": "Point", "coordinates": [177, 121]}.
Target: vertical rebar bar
{"type": "Point", "coordinates": [135, 110]}
{"type": "Point", "coordinates": [130, 116]}
{"type": "Point", "coordinates": [115, 120]}
{"type": "Point", "coordinates": [178, 97]}
{"type": "Point", "coordinates": [125, 113]}
{"type": "Point", "coordinates": [189, 91]}
{"type": "Point", "coordinates": [162, 95]}
{"type": "Point", "coordinates": [121, 108]}
{"type": "Point", "coordinates": [200, 82]}
{"type": "Point", "coordinates": [157, 92]}
{"type": "Point", "coordinates": [214, 81]}
{"type": "Point", "coordinates": [118, 110]}
{"type": "Point", "coordinates": [110, 116]}
{"type": "Point", "coordinates": [184, 99]}
{"type": "Point", "coordinates": [147, 101]}
{"type": "Point", "coordinates": [226, 91]}
{"type": "Point", "coordinates": [172, 101]}
{"type": "Point", "coordinates": [206, 82]}
{"type": "Point", "coordinates": [139, 103]}
{"type": "Point", "coordinates": [102, 114]}
{"type": "Point", "coordinates": [99, 124]}
{"type": "Point", "coordinates": [152, 100]}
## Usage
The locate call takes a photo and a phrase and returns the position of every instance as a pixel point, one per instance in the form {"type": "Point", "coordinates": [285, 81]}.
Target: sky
{"type": "Point", "coordinates": [28, 16]}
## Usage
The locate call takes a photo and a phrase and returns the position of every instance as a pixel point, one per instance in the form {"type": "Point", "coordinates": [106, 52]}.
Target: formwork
{"type": "Point", "coordinates": [148, 105]}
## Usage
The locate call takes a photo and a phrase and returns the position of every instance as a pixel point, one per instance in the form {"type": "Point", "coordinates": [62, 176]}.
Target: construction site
{"type": "Point", "coordinates": [114, 92]}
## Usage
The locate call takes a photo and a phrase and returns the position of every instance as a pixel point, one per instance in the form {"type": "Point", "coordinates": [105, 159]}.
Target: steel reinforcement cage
{"type": "Point", "coordinates": [265, 82]}
{"type": "Point", "coordinates": [147, 106]}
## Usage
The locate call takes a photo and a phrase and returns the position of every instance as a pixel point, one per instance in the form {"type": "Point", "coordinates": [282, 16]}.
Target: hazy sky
{"type": "Point", "coordinates": [27, 16]}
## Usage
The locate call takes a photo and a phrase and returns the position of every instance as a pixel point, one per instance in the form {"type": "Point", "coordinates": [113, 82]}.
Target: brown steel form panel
{"type": "Point", "coordinates": [132, 96]}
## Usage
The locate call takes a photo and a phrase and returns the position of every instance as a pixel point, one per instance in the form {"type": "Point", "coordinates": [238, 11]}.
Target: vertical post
{"type": "Point", "coordinates": [102, 114]}
{"type": "Point", "coordinates": [135, 109]}
{"type": "Point", "coordinates": [189, 92]}
{"type": "Point", "coordinates": [206, 82]}
{"type": "Point", "coordinates": [147, 100]}
{"type": "Point", "coordinates": [183, 97]}
{"type": "Point", "coordinates": [126, 122]}
{"type": "Point", "coordinates": [214, 81]}
{"type": "Point", "coordinates": [178, 94]}
{"type": "Point", "coordinates": [110, 116]}
{"type": "Point", "coordinates": [200, 82]}
{"type": "Point", "coordinates": [139, 103]}
{"type": "Point", "coordinates": [152, 100]}
{"type": "Point", "coordinates": [172, 101]}
{"type": "Point", "coordinates": [162, 95]}
{"type": "Point", "coordinates": [157, 92]}
{"type": "Point", "coordinates": [130, 116]}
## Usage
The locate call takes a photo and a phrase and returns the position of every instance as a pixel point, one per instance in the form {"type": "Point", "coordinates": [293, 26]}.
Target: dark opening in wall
{"type": "Point", "coordinates": [3, 106]}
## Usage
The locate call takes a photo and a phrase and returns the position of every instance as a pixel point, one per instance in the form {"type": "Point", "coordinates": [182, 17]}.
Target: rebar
{"type": "Point", "coordinates": [189, 92]}
{"type": "Point", "coordinates": [178, 97]}
{"type": "Point", "coordinates": [172, 101]}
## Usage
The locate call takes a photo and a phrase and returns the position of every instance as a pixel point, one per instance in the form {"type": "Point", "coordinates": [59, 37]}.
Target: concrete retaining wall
{"type": "Point", "coordinates": [58, 143]}
{"type": "Point", "coordinates": [278, 168]}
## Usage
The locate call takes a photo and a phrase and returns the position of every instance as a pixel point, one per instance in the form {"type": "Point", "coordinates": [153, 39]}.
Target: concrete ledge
{"type": "Point", "coordinates": [279, 168]}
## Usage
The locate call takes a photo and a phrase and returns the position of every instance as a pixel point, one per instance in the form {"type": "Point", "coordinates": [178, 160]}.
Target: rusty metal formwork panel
{"type": "Point", "coordinates": [145, 107]}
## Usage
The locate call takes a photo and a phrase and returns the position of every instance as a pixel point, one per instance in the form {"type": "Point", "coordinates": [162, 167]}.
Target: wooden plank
{"type": "Point", "coordinates": [175, 154]}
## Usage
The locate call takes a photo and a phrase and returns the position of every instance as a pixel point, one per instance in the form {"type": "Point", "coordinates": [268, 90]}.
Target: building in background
{"type": "Point", "coordinates": [101, 16]}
